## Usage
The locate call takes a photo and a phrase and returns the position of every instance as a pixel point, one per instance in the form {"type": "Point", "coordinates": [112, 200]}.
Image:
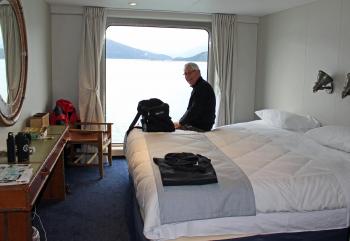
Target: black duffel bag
{"type": "Point", "coordinates": [154, 116]}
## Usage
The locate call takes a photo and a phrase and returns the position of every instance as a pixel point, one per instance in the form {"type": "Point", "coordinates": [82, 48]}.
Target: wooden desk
{"type": "Point", "coordinates": [16, 201]}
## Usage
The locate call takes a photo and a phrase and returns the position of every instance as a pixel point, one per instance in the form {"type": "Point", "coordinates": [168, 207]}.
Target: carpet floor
{"type": "Point", "coordinates": [99, 210]}
{"type": "Point", "coordinates": [95, 210]}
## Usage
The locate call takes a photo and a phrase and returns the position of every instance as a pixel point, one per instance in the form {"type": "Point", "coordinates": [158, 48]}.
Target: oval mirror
{"type": "Point", "coordinates": [13, 60]}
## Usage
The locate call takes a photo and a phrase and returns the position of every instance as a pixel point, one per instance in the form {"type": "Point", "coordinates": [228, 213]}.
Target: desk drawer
{"type": "Point", "coordinates": [13, 197]}
{"type": "Point", "coordinates": [45, 171]}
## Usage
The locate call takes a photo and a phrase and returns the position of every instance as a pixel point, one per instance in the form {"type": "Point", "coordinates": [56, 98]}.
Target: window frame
{"type": "Point", "coordinates": [158, 23]}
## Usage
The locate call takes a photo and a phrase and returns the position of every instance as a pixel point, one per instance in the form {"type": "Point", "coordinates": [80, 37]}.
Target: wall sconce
{"type": "Point", "coordinates": [346, 90]}
{"type": "Point", "coordinates": [324, 82]}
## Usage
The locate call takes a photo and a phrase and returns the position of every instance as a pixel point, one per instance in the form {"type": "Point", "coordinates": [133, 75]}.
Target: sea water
{"type": "Point", "coordinates": [130, 80]}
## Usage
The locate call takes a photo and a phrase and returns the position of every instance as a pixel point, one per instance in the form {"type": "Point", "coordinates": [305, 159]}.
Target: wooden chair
{"type": "Point", "coordinates": [101, 138]}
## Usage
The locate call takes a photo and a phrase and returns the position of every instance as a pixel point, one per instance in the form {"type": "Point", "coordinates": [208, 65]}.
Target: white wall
{"type": "Point", "coordinates": [66, 35]}
{"type": "Point", "coordinates": [66, 38]}
{"type": "Point", "coordinates": [37, 98]}
{"type": "Point", "coordinates": [292, 46]}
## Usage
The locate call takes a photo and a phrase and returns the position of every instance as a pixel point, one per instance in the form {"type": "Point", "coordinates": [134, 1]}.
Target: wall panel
{"type": "Point", "coordinates": [295, 44]}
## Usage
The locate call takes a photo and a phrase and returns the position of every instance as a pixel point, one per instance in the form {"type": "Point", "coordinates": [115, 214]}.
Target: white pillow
{"type": "Point", "coordinates": [337, 137]}
{"type": "Point", "coordinates": [287, 120]}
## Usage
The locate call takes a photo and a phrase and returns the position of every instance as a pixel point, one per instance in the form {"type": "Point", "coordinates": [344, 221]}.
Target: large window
{"type": "Point", "coordinates": [147, 62]}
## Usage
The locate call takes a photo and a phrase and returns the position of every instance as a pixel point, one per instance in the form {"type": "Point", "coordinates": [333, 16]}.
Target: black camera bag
{"type": "Point", "coordinates": [154, 116]}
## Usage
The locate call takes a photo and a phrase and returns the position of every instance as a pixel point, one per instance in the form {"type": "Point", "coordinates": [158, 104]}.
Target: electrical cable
{"type": "Point", "coordinates": [35, 214]}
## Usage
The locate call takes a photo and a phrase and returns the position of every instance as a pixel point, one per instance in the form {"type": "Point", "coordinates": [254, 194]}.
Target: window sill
{"type": "Point", "coordinates": [117, 150]}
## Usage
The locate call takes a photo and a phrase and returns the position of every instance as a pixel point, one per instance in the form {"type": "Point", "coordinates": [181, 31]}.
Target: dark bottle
{"type": "Point", "coordinates": [22, 143]}
{"type": "Point", "coordinates": [11, 148]}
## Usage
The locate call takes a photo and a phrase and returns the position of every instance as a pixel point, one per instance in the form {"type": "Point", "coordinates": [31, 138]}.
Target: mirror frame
{"type": "Point", "coordinates": [9, 112]}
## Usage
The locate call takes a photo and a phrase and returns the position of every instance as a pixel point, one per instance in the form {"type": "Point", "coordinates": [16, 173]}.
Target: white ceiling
{"type": "Point", "coordinates": [240, 7]}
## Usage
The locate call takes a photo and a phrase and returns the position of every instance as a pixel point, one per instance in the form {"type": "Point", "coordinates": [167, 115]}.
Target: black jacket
{"type": "Point", "coordinates": [200, 111]}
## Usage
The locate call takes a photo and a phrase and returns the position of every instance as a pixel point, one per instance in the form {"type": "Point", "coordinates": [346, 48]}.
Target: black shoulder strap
{"type": "Point", "coordinates": [133, 123]}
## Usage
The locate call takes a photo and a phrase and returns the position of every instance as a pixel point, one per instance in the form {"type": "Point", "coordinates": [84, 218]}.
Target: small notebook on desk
{"type": "Point", "coordinates": [14, 174]}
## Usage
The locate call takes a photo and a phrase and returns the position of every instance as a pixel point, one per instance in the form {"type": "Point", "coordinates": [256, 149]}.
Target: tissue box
{"type": "Point", "coordinates": [39, 120]}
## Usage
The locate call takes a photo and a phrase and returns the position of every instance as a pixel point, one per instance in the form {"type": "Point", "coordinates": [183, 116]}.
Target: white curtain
{"type": "Point", "coordinates": [225, 66]}
{"type": "Point", "coordinates": [12, 50]}
{"type": "Point", "coordinates": [94, 23]}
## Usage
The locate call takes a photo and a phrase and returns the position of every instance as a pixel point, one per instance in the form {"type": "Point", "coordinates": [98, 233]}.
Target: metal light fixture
{"type": "Point", "coordinates": [324, 82]}
{"type": "Point", "coordinates": [346, 90]}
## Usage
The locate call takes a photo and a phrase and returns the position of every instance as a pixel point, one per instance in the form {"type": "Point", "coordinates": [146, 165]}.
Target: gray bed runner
{"type": "Point", "coordinates": [231, 196]}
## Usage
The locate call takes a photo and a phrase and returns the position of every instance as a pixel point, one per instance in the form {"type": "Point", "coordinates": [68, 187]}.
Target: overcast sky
{"type": "Point", "coordinates": [174, 42]}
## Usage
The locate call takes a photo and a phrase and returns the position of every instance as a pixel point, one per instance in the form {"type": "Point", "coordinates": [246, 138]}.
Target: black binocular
{"type": "Point", "coordinates": [18, 145]}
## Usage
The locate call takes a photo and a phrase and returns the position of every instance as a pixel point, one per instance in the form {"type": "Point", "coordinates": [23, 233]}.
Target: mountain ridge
{"type": "Point", "coordinates": [115, 50]}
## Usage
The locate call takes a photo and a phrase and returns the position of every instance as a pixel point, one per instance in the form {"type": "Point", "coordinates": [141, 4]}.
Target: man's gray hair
{"type": "Point", "coordinates": [192, 66]}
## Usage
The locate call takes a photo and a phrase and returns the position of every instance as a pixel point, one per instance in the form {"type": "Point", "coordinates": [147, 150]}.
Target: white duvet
{"type": "Point", "coordinates": [297, 183]}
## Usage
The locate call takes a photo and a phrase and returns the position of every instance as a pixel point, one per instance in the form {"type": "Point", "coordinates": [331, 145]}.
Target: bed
{"type": "Point", "coordinates": [300, 186]}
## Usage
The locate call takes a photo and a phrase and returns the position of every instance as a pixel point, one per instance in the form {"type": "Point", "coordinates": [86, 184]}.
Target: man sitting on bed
{"type": "Point", "coordinates": [200, 113]}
